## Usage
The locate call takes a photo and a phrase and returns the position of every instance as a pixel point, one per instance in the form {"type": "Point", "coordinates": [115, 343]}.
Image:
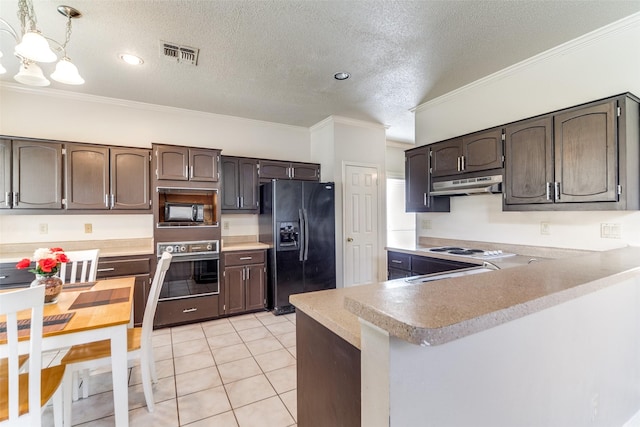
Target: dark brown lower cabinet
{"type": "Point", "coordinates": [328, 376]}
{"type": "Point", "coordinates": [112, 267]}
{"type": "Point", "coordinates": [244, 281]}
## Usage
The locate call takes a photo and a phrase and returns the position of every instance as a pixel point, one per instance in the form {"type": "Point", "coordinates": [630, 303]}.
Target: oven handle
{"type": "Point", "coordinates": [194, 257]}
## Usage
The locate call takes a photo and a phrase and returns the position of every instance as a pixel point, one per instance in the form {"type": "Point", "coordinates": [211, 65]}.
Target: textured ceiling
{"type": "Point", "coordinates": [275, 60]}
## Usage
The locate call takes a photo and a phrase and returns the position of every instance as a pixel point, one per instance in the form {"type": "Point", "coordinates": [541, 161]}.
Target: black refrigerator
{"type": "Point", "coordinates": [297, 218]}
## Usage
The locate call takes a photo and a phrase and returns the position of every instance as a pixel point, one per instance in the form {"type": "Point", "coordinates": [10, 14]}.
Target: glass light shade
{"type": "Point", "coordinates": [31, 75]}
{"type": "Point", "coordinates": [67, 73]}
{"type": "Point", "coordinates": [2, 69]}
{"type": "Point", "coordinates": [35, 48]}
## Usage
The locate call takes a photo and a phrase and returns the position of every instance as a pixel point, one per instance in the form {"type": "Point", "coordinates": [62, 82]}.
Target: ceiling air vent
{"type": "Point", "coordinates": [177, 53]}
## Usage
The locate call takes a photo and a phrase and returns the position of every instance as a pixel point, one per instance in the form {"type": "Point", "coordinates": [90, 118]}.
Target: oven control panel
{"type": "Point", "coordinates": [188, 248]}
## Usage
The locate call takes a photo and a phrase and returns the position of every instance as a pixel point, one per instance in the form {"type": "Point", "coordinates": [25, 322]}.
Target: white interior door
{"type": "Point", "coordinates": [360, 225]}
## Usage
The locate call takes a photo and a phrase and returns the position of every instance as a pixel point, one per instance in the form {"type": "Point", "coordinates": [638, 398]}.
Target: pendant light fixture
{"type": "Point", "coordinates": [33, 47]}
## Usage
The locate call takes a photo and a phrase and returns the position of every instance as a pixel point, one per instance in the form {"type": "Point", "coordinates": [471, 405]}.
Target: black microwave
{"type": "Point", "coordinates": [190, 212]}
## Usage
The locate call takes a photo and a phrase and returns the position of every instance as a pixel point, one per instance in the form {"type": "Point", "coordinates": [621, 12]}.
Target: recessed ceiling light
{"type": "Point", "coordinates": [341, 76]}
{"type": "Point", "coordinates": [131, 59]}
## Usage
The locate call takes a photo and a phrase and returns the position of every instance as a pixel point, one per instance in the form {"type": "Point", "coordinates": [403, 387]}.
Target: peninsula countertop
{"type": "Point", "coordinates": [441, 311]}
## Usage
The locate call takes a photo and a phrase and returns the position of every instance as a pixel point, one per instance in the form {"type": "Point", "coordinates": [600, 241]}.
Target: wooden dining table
{"type": "Point", "coordinates": [88, 314]}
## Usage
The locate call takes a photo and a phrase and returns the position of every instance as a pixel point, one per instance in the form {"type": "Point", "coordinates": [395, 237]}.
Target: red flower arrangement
{"type": "Point", "coordinates": [47, 261]}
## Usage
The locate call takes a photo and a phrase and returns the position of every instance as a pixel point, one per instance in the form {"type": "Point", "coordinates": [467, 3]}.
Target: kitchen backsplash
{"type": "Point", "coordinates": [57, 228]}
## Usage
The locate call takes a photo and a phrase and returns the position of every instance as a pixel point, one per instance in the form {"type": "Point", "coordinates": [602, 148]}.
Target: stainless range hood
{"type": "Point", "coordinates": [467, 186]}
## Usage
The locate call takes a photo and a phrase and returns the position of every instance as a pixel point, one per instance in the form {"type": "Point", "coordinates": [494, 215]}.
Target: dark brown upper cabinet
{"type": "Point", "coordinates": [528, 169]}
{"type": "Point", "coordinates": [470, 153]}
{"type": "Point", "coordinates": [31, 175]}
{"type": "Point", "coordinates": [581, 158]}
{"type": "Point", "coordinates": [417, 183]}
{"type": "Point", "coordinates": [99, 177]}
{"type": "Point", "coordinates": [239, 184]}
{"type": "Point", "coordinates": [177, 163]}
{"type": "Point", "coordinates": [275, 169]}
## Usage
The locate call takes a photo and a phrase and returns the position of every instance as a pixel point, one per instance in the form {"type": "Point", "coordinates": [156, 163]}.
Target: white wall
{"type": "Point", "coordinates": [60, 115]}
{"type": "Point", "coordinates": [597, 65]}
{"type": "Point", "coordinates": [336, 141]}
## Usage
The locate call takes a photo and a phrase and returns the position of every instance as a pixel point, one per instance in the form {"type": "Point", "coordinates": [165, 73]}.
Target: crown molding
{"type": "Point", "coordinates": [143, 106]}
{"type": "Point", "coordinates": [619, 26]}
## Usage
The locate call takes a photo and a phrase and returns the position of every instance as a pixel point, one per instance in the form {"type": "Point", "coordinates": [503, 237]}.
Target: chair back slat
{"type": "Point", "coordinates": [154, 295]}
{"type": "Point", "coordinates": [88, 262]}
{"type": "Point", "coordinates": [10, 304]}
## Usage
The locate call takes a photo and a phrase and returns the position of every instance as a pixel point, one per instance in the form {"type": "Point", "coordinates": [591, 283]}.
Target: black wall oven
{"type": "Point", "coordinates": [191, 287]}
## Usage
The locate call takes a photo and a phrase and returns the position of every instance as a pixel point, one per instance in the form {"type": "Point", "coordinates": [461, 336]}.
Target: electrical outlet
{"type": "Point", "coordinates": [545, 228]}
{"type": "Point", "coordinates": [610, 231]}
{"type": "Point", "coordinates": [225, 225]}
{"type": "Point", "coordinates": [88, 228]}
{"type": "Point", "coordinates": [426, 224]}
{"type": "Point", "coordinates": [44, 228]}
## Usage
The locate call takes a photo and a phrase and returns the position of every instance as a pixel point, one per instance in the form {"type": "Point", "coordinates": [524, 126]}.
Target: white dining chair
{"type": "Point", "coordinates": [29, 392]}
{"type": "Point", "coordinates": [139, 346]}
{"type": "Point", "coordinates": [86, 260]}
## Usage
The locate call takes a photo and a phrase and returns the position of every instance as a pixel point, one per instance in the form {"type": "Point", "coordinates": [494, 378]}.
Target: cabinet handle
{"type": "Point", "coordinates": [248, 273]}
{"type": "Point", "coordinates": [186, 171]}
{"type": "Point", "coordinates": [243, 273]}
{"type": "Point", "coordinates": [106, 200]}
{"type": "Point", "coordinates": [189, 310]}
{"type": "Point", "coordinates": [102, 270]}
{"type": "Point", "coordinates": [548, 191]}
{"type": "Point", "coordinates": [191, 173]}
{"type": "Point", "coordinates": [244, 258]}
{"type": "Point", "coordinates": [14, 200]}
{"type": "Point", "coordinates": [3, 277]}
{"type": "Point", "coordinates": [7, 198]}
{"type": "Point", "coordinates": [424, 199]}
{"type": "Point", "coordinates": [395, 261]}
{"type": "Point", "coordinates": [459, 164]}
{"type": "Point", "coordinates": [241, 201]}
{"type": "Point", "coordinates": [462, 163]}
{"type": "Point", "coordinates": [557, 192]}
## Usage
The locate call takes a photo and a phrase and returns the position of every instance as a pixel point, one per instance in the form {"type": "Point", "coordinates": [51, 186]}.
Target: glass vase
{"type": "Point", "coordinates": [52, 286]}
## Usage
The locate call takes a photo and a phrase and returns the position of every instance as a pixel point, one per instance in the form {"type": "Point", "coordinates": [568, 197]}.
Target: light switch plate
{"type": "Point", "coordinates": [610, 231]}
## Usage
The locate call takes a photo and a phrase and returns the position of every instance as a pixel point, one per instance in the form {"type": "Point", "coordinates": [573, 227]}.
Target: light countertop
{"type": "Point", "coordinates": [437, 312]}
{"type": "Point", "coordinates": [14, 252]}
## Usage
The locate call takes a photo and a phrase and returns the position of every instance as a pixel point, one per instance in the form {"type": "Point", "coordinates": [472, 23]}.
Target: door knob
{"type": "Point", "coordinates": [349, 239]}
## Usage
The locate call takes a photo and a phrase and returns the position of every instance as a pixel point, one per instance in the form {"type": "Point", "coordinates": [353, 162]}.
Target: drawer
{"type": "Point", "coordinates": [110, 267]}
{"type": "Point", "coordinates": [399, 260]}
{"type": "Point", "coordinates": [186, 310]}
{"type": "Point", "coordinates": [244, 258]}
{"type": "Point", "coordinates": [10, 276]}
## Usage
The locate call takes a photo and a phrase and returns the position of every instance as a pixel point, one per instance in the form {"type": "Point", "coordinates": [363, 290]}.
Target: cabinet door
{"type": "Point", "coordinates": [586, 165]}
{"type": "Point", "coordinates": [234, 289]}
{"type": "Point", "coordinates": [528, 173]}
{"type": "Point", "coordinates": [5, 173]}
{"type": "Point", "coordinates": [230, 185]}
{"type": "Point", "coordinates": [417, 183]}
{"type": "Point", "coordinates": [130, 178]}
{"type": "Point", "coordinates": [305, 171]}
{"type": "Point", "coordinates": [37, 175]}
{"type": "Point", "coordinates": [172, 163]}
{"type": "Point", "coordinates": [254, 287]}
{"type": "Point", "coordinates": [482, 151]}
{"type": "Point", "coordinates": [271, 169]}
{"type": "Point", "coordinates": [417, 180]}
{"type": "Point", "coordinates": [249, 186]}
{"type": "Point", "coordinates": [445, 157]}
{"type": "Point", "coordinates": [203, 165]}
{"type": "Point", "coordinates": [87, 177]}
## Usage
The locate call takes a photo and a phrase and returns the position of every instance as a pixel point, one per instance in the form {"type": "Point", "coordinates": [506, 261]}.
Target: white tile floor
{"type": "Point", "coordinates": [239, 371]}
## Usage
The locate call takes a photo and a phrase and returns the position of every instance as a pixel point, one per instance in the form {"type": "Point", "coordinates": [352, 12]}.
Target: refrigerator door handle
{"type": "Point", "coordinates": [306, 234]}
{"type": "Point", "coordinates": [303, 237]}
